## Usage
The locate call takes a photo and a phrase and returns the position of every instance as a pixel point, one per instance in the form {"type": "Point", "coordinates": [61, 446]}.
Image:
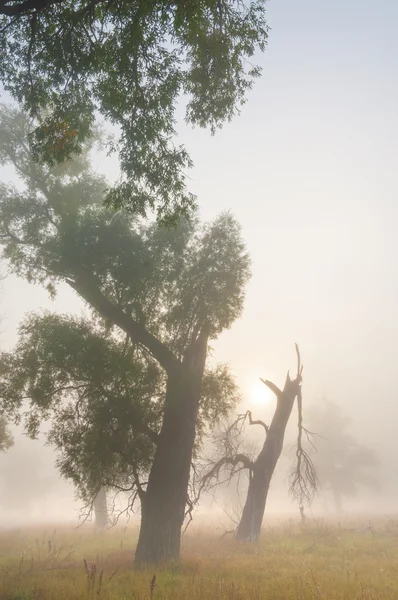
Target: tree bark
{"type": "Point", "coordinates": [101, 510]}
{"type": "Point", "coordinates": [263, 468]}
{"type": "Point", "coordinates": [164, 501]}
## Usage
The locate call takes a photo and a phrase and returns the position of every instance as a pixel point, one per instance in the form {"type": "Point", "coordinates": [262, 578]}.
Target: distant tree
{"type": "Point", "coordinates": [260, 468]}
{"type": "Point", "coordinates": [344, 466]}
{"type": "Point", "coordinates": [6, 439]}
{"type": "Point", "coordinates": [156, 297]}
{"type": "Point", "coordinates": [130, 60]}
{"type": "Point", "coordinates": [24, 479]}
{"type": "Point", "coordinates": [101, 510]}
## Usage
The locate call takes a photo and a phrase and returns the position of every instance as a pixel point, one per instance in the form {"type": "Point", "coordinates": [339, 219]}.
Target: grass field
{"type": "Point", "coordinates": [321, 561]}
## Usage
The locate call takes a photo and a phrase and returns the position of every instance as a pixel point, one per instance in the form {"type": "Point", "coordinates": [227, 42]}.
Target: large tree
{"type": "Point", "coordinates": [131, 61]}
{"type": "Point", "coordinates": [169, 292]}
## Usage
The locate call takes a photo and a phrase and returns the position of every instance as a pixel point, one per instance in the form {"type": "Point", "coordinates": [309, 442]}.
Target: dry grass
{"type": "Point", "coordinates": [320, 562]}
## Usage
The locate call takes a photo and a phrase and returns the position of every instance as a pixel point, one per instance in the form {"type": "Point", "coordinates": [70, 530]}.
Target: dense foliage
{"type": "Point", "coordinates": [131, 61]}
{"type": "Point", "coordinates": [101, 380]}
{"type": "Point", "coordinates": [102, 398]}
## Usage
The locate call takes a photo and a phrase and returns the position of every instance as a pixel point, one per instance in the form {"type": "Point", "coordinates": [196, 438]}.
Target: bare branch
{"type": "Point", "coordinates": [299, 365]}
{"type": "Point", "coordinates": [225, 461]}
{"type": "Point", "coordinates": [257, 421]}
{"type": "Point", "coordinates": [304, 482]}
{"type": "Point", "coordinates": [140, 490]}
{"type": "Point", "coordinates": [274, 388]}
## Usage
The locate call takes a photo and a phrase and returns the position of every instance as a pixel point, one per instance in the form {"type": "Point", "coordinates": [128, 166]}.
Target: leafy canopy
{"type": "Point", "coordinates": [131, 61]}
{"type": "Point", "coordinates": [168, 281]}
{"type": "Point", "coordinates": [102, 399]}
{"type": "Point", "coordinates": [151, 291]}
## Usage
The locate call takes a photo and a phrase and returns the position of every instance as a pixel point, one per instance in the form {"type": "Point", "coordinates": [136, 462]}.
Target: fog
{"type": "Point", "coordinates": [308, 168]}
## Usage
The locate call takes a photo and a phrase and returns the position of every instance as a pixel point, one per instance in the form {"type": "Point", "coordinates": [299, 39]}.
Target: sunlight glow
{"type": "Point", "coordinates": [259, 394]}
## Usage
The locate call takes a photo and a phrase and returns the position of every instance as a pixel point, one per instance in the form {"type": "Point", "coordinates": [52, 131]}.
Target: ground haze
{"type": "Point", "coordinates": [347, 560]}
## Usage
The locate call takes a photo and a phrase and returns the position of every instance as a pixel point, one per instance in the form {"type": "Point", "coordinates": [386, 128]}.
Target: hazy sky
{"type": "Point", "coordinates": [309, 169]}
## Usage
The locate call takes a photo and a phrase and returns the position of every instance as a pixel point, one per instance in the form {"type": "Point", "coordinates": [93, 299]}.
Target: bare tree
{"type": "Point", "coordinates": [303, 480]}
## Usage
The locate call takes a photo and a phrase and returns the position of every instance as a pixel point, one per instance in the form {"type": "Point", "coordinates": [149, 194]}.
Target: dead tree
{"type": "Point", "coordinates": [303, 480]}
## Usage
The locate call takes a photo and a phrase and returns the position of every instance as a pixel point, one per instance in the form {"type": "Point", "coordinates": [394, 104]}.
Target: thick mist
{"type": "Point", "coordinates": [308, 168]}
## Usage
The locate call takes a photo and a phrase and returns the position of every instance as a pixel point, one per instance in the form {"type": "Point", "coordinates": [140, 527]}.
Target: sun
{"type": "Point", "coordinates": [259, 394]}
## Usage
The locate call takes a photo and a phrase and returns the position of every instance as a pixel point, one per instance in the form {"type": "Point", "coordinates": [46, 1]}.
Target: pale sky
{"type": "Point", "coordinates": [309, 169]}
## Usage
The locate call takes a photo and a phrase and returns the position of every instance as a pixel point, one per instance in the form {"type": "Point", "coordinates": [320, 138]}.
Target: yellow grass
{"type": "Point", "coordinates": [320, 562]}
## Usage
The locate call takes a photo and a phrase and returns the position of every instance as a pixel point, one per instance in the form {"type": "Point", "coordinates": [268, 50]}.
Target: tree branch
{"type": "Point", "coordinates": [299, 365]}
{"type": "Point", "coordinates": [232, 461]}
{"type": "Point", "coordinates": [12, 236]}
{"type": "Point", "coordinates": [257, 422]}
{"type": "Point", "coordinates": [26, 7]}
{"type": "Point", "coordinates": [303, 481]}
{"type": "Point", "coordinates": [136, 331]}
{"type": "Point", "coordinates": [274, 388]}
{"type": "Point", "coordinates": [140, 490]}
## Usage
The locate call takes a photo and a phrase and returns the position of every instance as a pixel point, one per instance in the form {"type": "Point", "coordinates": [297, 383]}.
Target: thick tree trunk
{"type": "Point", "coordinates": [253, 512]}
{"type": "Point", "coordinates": [165, 499]}
{"type": "Point", "coordinates": [101, 510]}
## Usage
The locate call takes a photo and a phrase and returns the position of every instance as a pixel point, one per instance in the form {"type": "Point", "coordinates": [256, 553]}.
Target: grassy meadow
{"type": "Point", "coordinates": [320, 561]}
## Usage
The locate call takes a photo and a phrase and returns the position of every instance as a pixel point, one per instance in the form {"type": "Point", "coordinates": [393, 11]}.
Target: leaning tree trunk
{"type": "Point", "coordinates": [101, 510]}
{"type": "Point", "coordinates": [163, 504]}
{"type": "Point", "coordinates": [263, 468]}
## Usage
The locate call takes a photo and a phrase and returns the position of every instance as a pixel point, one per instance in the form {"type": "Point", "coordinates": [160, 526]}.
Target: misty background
{"type": "Point", "coordinates": [308, 169]}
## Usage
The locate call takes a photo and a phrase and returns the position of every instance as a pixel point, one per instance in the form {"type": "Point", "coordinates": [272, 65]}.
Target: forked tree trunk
{"type": "Point", "coordinates": [163, 504]}
{"type": "Point", "coordinates": [263, 468]}
{"type": "Point", "coordinates": [101, 510]}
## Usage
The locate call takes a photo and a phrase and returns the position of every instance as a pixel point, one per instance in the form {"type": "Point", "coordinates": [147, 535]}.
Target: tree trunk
{"type": "Point", "coordinates": [101, 510]}
{"type": "Point", "coordinates": [263, 468]}
{"type": "Point", "coordinates": [164, 501]}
